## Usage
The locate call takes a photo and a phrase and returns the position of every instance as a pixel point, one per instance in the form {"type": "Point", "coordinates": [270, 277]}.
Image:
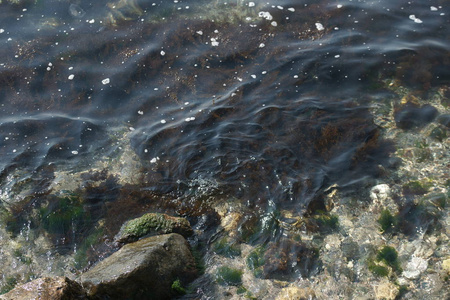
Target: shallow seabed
{"type": "Point", "coordinates": [307, 142]}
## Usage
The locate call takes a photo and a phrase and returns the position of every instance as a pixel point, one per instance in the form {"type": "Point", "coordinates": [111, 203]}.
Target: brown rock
{"type": "Point", "coordinates": [142, 270]}
{"type": "Point", "coordinates": [58, 288]}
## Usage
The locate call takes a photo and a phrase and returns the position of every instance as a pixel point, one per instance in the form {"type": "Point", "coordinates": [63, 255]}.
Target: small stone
{"type": "Point", "coordinates": [386, 290]}
{"type": "Point", "coordinates": [380, 192]}
{"type": "Point", "coordinates": [293, 292]}
{"type": "Point", "coordinates": [446, 265]}
{"type": "Point", "coordinates": [415, 267]}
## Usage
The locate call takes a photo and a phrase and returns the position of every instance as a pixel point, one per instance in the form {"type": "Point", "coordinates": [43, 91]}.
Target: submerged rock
{"type": "Point", "coordinates": [145, 269]}
{"type": "Point", "coordinates": [410, 115]}
{"type": "Point", "coordinates": [57, 288]}
{"type": "Point", "coordinates": [152, 224]}
{"type": "Point", "coordinates": [293, 292]}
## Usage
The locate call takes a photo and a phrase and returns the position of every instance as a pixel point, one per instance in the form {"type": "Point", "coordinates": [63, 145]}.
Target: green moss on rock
{"type": "Point", "coordinates": [178, 288]}
{"type": "Point", "coordinates": [153, 224]}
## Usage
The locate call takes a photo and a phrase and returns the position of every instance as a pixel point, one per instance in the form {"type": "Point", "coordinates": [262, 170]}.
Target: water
{"type": "Point", "coordinates": [267, 103]}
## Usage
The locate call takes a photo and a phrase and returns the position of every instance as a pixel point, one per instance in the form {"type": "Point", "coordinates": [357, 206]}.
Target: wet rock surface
{"type": "Point", "coordinates": [145, 269]}
{"type": "Point", "coordinates": [57, 288]}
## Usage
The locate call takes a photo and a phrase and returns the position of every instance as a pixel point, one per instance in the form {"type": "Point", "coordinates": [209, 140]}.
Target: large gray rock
{"type": "Point", "coordinates": [58, 288]}
{"type": "Point", "coordinates": [145, 269]}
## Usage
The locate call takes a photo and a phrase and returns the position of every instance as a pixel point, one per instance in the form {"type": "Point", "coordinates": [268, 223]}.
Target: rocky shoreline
{"type": "Point", "coordinates": [152, 268]}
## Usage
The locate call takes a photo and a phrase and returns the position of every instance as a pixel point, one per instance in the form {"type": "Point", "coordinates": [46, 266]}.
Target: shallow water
{"type": "Point", "coordinates": [265, 102]}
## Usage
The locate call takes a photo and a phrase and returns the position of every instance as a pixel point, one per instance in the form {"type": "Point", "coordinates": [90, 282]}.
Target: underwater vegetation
{"type": "Point", "coordinates": [178, 288]}
{"type": "Point", "coordinates": [228, 276]}
{"type": "Point", "coordinates": [385, 262]}
{"type": "Point", "coordinates": [424, 214]}
{"type": "Point", "coordinates": [387, 221]}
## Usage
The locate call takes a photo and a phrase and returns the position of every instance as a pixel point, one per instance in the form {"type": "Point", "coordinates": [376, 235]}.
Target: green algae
{"type": "Point", "coordinates": [387, 221]}
{"type": "Point", "coordinates": [226, 248]}
{"type": "Point", "coordinates": [255, 261]}
{"type": "Point", "coordinates": [81, 255]}
{"type": "Point", "coordinates": [178, 288]}
{"type": "Point", "coordinates": [153, 223]}
{"type": "Point", "coordinates": [63, 215]}
{"type": "Point", "coordinates": [229, 276]}
{"type": "Point", "coordinates": [378, 270]}
{"type": "Point", "coordinates": [10, 282]}
{"type": "Point", "coordinates": [327, 222]}
{"type": "Point", "coordinates": [384, 262]}
{"type": "Point", "coordinates": [389, 256]}
{"type": "Point", "coordinates": [417, 187]}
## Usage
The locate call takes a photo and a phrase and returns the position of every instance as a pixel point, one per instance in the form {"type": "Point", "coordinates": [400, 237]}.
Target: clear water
{"type": "Point", "coordinates": [264, 102]}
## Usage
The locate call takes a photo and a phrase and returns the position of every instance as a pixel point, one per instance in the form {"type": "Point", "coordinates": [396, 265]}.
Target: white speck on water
{"type": "Point", "coordinates": [200, 32]}
{"type": "Point", "coordinates": [140, 112]}
{"type": "Point", "coordinates": [74, 152]}
{"type": "Point", "coordinates": [433, 8]}
{"type": "Point", "coordinates": [280, 7]}
{"type": "Point", "coordinates": [155, 89]}
{"type": "Point", "coordinates": [337, 56]}
{"type": "Point", "coordinates": [92, 21]}
{"type": "Point", "coordinates": [163, 53]}
{"type": "Point", "coordinates": [70, 68]}
{"type": "Point", "coordinates": [239, 78]}
{"type": "Point", "coordinates": [216, 31]}
{"type": "Point", "coordinates": [2, 30]}
{"type": "Point", "coordinates": [339, 5]}
{"type": "Point", "coordinates": [274, 23]}
{"type": "Point", "coordinates": [71, 76]}
{"type": "Point", "coordinates": [319, 26]}
{"type": "Point", "coordinates": [154, 159]}
{"type": "Point", "coordinates": [163, 121]}
{"type": "Point", "coordinates": [189, 119]}
{"type": "Point", "coordinates": [264, 72]}
{"type": "Point", "coordinates": [251, 4]}
{"type": "Point", "coordinates": [14, 151]}
{"type": "Point", "coordinates": [214, 42]}
{"type": "Point", "coordinates": [416, 20]}
{"type": "Point", "coordinates": [253, 76]}
{"type": "Point", "coordinates": [262, 45]}
{"type": "Point", "coordinates": [131, 128]}
{"type": "Point", "coordinates": [105, 81]}
{"type": "Point", "coordinates": [266, 15]}
{"type": "Point", "coordinates": [48, 68]}
{"type": "Point", "coordinates": [295, 76]}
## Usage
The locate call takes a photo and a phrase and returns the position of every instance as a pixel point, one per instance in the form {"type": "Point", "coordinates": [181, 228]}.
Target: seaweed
{"type": "Point", "coordinates": [229, 276]}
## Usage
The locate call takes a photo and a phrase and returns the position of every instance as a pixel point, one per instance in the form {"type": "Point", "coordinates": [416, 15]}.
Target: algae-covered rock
{"type": "Point", "coordinates": [57, 288]}
{"type": "Point", "coordinates": [153, 224]}
{"type": "Point", "coordinates": [145, 269]}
